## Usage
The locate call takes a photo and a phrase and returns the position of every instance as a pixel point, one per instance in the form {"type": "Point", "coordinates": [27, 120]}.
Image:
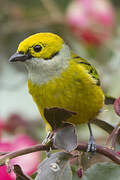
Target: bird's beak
{"type": "Point", "coordinates": [19, 57]}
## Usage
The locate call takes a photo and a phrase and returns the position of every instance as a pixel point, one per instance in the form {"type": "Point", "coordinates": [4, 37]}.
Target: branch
{"type": "Point", "coordinates": [3, 153]}
{"type": "Point", "coordinates": [111, 154]}
{"type": "Point", "coordinates": [17, 153]}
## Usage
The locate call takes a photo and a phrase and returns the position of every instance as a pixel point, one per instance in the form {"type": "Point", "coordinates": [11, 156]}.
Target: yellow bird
{"type": "Point", "coordinates": [59, 78]}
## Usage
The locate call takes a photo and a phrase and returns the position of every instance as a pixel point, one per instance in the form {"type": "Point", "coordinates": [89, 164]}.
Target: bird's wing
{"type": "Point", "coordinates": [91, 70]}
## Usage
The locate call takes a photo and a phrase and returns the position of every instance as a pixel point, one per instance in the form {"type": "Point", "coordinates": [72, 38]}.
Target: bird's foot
{"type": "Point", "coordinates": [91, 145]}
{"type": "Point", "coordinates": [48, 138]}
{"type": "Point", "coordinates": [48, 141]}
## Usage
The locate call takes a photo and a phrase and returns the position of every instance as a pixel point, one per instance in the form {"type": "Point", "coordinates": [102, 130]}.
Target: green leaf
{"type": "Point", "coordinates": [64, 133]}
{"type": "Point", "coordinates": [65, 138]}
{"type": "Point", "coordinates": [33, 175]}
{"type": "Point", "coordinates": [55, 167]}
{"type": "Point", "coordinates": [102, 171]}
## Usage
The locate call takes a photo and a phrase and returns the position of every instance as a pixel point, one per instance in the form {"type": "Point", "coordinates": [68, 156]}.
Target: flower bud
{"type": "Point", "coordinates": [80, 172]}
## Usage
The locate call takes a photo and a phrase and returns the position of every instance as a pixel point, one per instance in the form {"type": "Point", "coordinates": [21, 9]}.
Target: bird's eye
{"type": "Point", "coordinates": [37, 48]}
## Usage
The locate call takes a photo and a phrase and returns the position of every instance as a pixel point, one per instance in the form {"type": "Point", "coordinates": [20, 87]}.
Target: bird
{"type": "Point", "coordinates": [57, 77]}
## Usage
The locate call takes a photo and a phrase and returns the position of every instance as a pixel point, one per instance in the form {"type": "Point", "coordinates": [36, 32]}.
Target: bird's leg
{"type": "Point", "coordinates": [91, 143]}
{"type": "Point", "coordinates": [48, 141]}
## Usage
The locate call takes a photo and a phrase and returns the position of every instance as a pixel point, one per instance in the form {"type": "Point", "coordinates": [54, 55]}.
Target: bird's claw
{"type": "Point", "coordinates": [48, 139]}
{"type": "Point", "coordinates": [91, 145]}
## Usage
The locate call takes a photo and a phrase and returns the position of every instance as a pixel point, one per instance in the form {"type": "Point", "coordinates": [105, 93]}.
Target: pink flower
{"type": "Point", "coordinates": [3, 174]}
{"type": "Point", "coordinates": [118, 153]}
{"type": "Point", "coordinates": [27, 162]}
{"type": "Point", "coordinates": [91, 20]}
{"type": "Point", "coordinates": [1, 126]}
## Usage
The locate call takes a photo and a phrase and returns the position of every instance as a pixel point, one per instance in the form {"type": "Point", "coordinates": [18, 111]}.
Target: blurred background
{"type": "Point", "coordinates": [90, 27]}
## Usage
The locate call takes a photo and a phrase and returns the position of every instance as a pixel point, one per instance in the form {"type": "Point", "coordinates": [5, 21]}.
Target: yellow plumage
{"type": "Point", "coordinates": [74, 90]}
{"type": "Point", "coordinates": [46, 41]}
{"type": "Point", "coordinates": [59, 78]}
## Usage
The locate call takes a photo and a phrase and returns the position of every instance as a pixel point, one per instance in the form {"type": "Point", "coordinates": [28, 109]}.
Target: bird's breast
{"type": "Point", "coordinates": [73, 90]}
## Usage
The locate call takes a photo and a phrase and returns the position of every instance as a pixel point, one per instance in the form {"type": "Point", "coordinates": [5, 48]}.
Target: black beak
{"type": "Point", "coordinates": [19, 57]}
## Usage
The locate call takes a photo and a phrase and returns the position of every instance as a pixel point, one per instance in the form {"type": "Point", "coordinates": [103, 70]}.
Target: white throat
{"type": "Point", "coordinates": [41, 71]}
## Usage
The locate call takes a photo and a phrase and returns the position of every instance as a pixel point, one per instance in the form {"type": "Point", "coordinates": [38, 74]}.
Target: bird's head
{"type": "Point", "coordinates": [42, 52]}
{"type": "Point", "coordinates": [40, 45]}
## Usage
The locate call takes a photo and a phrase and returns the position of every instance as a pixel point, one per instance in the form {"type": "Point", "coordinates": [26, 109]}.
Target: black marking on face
{"type": "Point", "coordinates": [21, 52]}
{"type": "Point", "coordinates": [53, 55]}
